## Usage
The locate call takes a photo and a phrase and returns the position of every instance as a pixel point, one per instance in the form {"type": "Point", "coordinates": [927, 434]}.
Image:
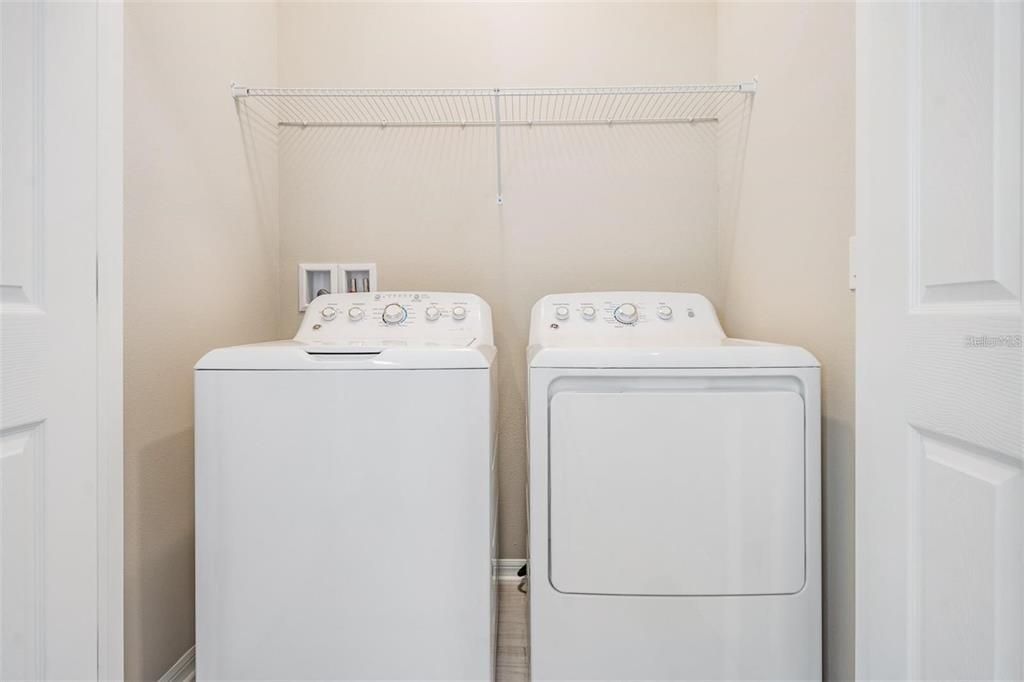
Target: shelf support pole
{"type": "Point", "coordinates": [497, 138]}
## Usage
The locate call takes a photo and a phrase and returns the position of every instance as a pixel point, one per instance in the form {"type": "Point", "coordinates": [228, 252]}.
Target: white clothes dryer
{"type": "Point", "coordinates": [675, 503]}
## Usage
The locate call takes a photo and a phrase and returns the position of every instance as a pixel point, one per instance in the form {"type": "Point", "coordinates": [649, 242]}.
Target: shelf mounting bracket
{"type": "Point", "coordinates": [497, 139]}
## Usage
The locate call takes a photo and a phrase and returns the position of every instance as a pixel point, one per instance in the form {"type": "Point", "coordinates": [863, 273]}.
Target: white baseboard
{"type": "Point", "coordinates": [184, 670]}
{"type": "Point", "coordinates": [508, 569]}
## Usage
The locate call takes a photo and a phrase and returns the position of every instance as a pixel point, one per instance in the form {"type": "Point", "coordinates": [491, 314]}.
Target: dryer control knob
{"type": "Point", "coordinates": [562, 312]}
{"type": "Point", "coordinates": [394, 314]}
{"type": "Point", "coordinates": [458, 313]}
{"type": "Point", "coordinates": [328, 313]}
{"type": "Point", "coordinates": [665, 312]}
{"type": "Point", "coordinates": [432, 313]}
{"type": "Point", "coordinates": [355, 314]}
{"type": "Point", "coordinates": [627, 314]}
{"type": "Point", "coordinates": [589, 312]}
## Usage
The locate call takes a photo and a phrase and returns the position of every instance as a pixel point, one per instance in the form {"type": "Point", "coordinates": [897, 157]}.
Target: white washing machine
{"type": "Point", "coordinates": [345, 518]}
{"type": "Point", "coordinates": [674, 495]}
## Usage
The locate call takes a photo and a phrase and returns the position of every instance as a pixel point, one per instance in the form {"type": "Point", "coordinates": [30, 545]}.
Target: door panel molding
{"type": "Point", "coordinates": [21, 551]}
{"type": "Point", "coordinates": [978, 141]}
{"type": "Point", "coordinates": [966, 541]}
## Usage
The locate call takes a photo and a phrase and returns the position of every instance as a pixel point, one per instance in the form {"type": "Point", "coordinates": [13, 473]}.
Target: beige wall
{"type": "Point", "coordinates": [585, 209]}
{"type": "Point", "coordinates": [200, 271]}
{"type": "Point", "coordinates": [785, 255]}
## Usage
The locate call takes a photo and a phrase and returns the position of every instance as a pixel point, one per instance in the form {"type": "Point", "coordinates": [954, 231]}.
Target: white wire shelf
{"type": "Point", "coordinates": [497, 107]}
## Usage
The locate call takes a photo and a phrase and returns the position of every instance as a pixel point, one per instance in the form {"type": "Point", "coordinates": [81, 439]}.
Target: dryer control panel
{"type": "Point", "coordinates": [625, 318]}
{"type": "Point", "coordinates": [397, 318]}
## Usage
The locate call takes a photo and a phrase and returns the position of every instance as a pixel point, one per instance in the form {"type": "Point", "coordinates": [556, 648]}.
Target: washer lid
{"type": "Point", "coordinates": [295, 355]}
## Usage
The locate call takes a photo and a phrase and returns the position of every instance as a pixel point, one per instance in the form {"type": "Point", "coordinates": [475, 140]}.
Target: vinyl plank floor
{"type": "Point", "coordinates": [513, 636]}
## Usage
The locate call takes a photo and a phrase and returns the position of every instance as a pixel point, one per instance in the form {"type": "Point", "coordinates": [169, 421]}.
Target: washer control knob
{"type": "Point", "coordinates": [664, 312]}
{"type": "Point", "coordinates": [355, 314]}
{"type": "Point", "coordinates": [328, 313]}
{"type": "Point", "coordinates": [394, 314]}
{"type": "Point", "coordinates": [627, 314]}
{"type": "Point", "coordinates": [432, 313]}
{"type": "Point", "coordinates": [458, 313]}
{"type": "Point", "coordinates": [589, 312]}
{"type": "Point", "coordinates": [562, 312]}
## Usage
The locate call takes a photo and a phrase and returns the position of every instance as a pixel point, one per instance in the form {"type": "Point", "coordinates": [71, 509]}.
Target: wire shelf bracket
{"type": "Point", "coordinates": [497, 107]}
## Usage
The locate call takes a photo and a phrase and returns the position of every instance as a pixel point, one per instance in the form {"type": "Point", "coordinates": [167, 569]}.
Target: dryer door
{"type": "Point", "coordinates": [682, 492]}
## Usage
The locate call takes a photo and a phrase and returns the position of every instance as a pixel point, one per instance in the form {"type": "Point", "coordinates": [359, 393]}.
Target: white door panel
{"type": "Point", "coordinates": [48, 364]}
{"type": "Point", "coordinates": [19, 553]}
{"type": "Point", "coordinates": [940, 482]}
{"type": "Point", "coordinates": [964, 89]}
{"type": "Point", "coordinates": [966, 562]}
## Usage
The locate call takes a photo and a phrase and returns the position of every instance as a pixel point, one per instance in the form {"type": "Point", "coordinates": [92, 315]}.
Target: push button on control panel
{"type": "Point", "coordinates": [355, 314]}
{"type": "Point", "coordinates": [665, 312]}
{"type": "Point", "coordinates": [562, 312]}
{"type": "Point", "coordinates": [458, 313]}
{"type": "Point", "coordinates": [328, 313]}
{"type": "Point", "coordinates": [589, 312]}
{"type": "Point", "coordinates": [432, 313]}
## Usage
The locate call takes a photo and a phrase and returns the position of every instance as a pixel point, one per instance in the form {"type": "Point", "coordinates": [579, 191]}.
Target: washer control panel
{"type": "Point", "coordinates": [625, 318]}
{"type": "Point", "coordinates": [387, 318]}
